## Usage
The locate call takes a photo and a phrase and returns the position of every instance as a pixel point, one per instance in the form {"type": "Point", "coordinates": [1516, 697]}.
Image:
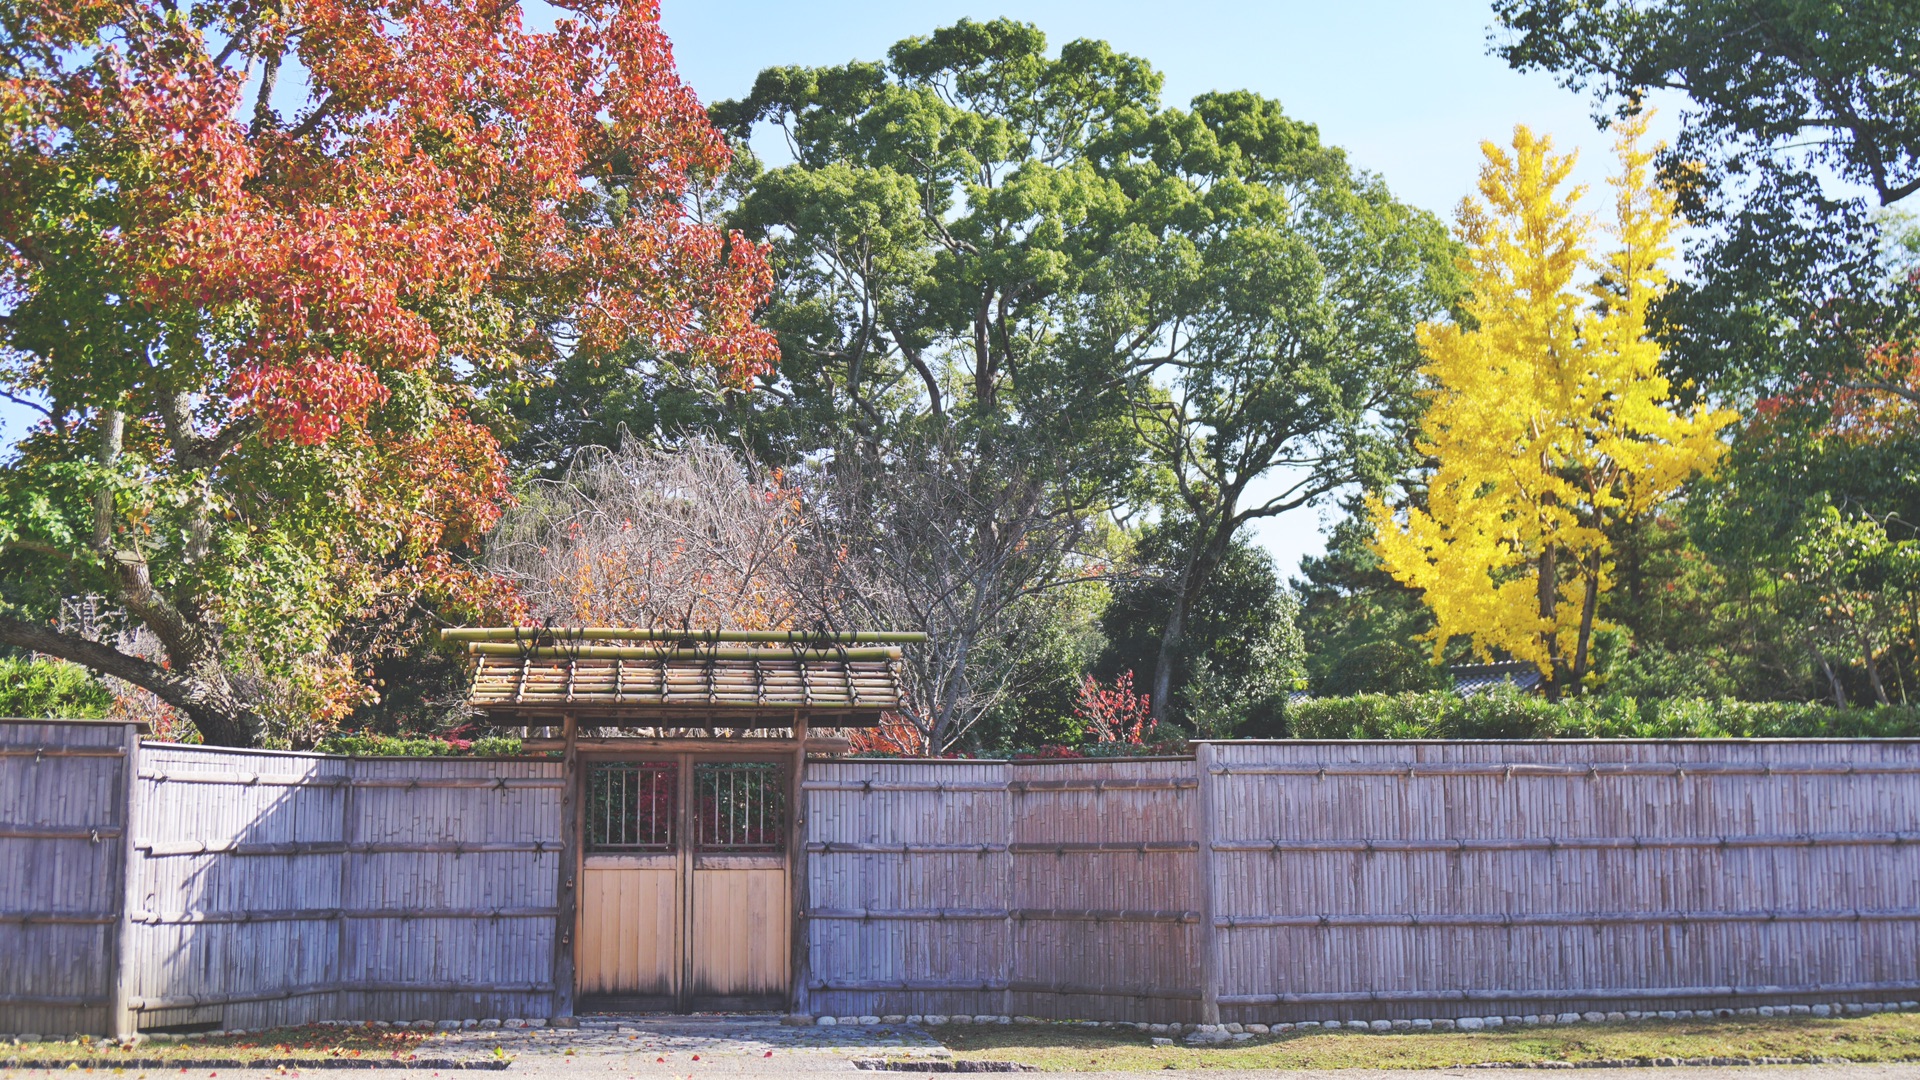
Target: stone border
{"type": "Point", "coordinates": [930, 1066]}
{"type": "Point", "coordinates": [1673, 1062]}
{"type": "Point", "coordinates": [1227, 1032]}
{"type": "Point", "coordinates": [1219, 1033]}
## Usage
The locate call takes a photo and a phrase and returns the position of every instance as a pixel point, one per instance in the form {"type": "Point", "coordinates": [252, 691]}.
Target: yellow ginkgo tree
{"type": "Point", "coordinates": [1549, 420]}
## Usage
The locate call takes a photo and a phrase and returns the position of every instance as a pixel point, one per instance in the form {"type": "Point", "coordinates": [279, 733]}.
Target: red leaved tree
{"type": "Point", "coordinates": [262, 265]}
{"type": "Point", "coordinates": [1116, 715]}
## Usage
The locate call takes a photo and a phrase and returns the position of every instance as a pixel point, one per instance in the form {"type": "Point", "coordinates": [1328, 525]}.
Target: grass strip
{"type": "Point", "coordinates": [1884, 1037]}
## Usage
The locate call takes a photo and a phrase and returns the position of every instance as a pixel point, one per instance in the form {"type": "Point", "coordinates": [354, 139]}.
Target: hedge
{"type": "Point", "coordinates": [366, 745]}
{"type": "Point", "coordinates": [1508, 714]}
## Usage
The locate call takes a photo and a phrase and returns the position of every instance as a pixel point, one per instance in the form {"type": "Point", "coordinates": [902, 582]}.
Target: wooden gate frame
{"type": "Point", "coordinates": [790, 752]}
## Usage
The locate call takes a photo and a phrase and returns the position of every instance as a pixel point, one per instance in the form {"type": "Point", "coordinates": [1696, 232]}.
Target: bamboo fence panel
{"type": "Point", "coordinates": [1105, 920]}
{"type": "Point", "coordinates": [907, 869]}
{"type": "Point", "coordinates": [1382, 880]}
{"type": "Point", "coordinates": [283, 888]}
{"type": "Point", "coordinates": [63, 817]}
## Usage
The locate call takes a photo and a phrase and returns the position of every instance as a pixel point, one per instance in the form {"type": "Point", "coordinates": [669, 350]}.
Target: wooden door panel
{"type": "Point", "coordinates": [740, 929]}
{"type": "Point", "coordinates": [629, 943]}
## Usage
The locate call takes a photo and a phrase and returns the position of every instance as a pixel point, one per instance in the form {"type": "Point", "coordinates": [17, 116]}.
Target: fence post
{"type": "Point", "coordinates": [1206, 825]}
{"type": "Point", "coordinates": [122, 971]}
{"type": "Point", "coordinates": [1009, 889]}
{"type": "Point", "coordinates": [345, 962]}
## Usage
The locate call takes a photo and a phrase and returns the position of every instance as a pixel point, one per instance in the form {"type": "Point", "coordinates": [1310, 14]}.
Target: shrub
{"type": "Point", "coordinates": [53, 689]}
{"type": "Point", "coordinates": [362, 744]}
{"type": "Point", "coordinates": [1508, 714]}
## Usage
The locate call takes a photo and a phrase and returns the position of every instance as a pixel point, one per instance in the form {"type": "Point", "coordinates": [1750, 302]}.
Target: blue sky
{"type": "Point", "coordinates": [1407, 86]}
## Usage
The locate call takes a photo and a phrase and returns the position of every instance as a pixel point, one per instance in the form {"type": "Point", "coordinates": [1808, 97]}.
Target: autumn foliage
{"type": "Point", "coordinates": [1116, 714]}
{"type": "Point", "coordinates": [1550, 419]}
{"type": "Point", "coordinates": [263, 264]}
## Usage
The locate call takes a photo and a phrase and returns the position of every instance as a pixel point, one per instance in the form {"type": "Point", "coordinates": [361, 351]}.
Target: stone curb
{"type": "Point", "coordinates": [1673, 1062]}
{"type": "Point", "coordinates": [1218, 1033]}
{"type": "Point", "coordinates": [898, 1065]}
{"type": "Point", "coordinates": [1463, 1023]}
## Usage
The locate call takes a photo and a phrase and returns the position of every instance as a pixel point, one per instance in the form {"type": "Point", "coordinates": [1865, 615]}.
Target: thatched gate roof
{"type": "Point", "coordinates": [627, 676]}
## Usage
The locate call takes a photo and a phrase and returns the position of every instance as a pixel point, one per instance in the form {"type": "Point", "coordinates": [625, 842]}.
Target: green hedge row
{"type": "Point", "coordinates": [363, 745]}
{"type": "Point", "coordinates": [1511, 715]}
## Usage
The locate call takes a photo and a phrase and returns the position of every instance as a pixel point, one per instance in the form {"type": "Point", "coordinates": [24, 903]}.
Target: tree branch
{"type": "Point", "coordinates": [178, 691]}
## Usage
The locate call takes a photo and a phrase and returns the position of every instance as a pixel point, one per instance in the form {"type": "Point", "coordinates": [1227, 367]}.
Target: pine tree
{"type": "Point", "coordinates": [1549, 420]}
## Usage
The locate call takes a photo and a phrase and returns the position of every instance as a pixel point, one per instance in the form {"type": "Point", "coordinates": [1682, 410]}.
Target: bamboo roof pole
{"type": "Point", "coordinates": [620, 633]}
{"type": "Point", "coordinates": [671, 651]}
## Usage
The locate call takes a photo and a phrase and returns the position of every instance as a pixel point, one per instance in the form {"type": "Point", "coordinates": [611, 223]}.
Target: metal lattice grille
{"type": "Point", "coordinates": [739, 807]}
{"type": "Point", "coordinates": [632, 806]}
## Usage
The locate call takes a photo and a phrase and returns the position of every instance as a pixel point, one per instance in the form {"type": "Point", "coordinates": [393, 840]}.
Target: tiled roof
{"type": "Point", "coordinates": [1470, 680]}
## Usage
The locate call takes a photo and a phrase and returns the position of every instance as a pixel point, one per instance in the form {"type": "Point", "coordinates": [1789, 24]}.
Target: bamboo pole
{"type": "Point", "coordinates": [1205, 808]}
{"type": "Point", "coordinates": [120, 1019]}
{"type": "Point", "coordinates": [675, 652]}
{"type": "Point", "coordinates": [620, 633]}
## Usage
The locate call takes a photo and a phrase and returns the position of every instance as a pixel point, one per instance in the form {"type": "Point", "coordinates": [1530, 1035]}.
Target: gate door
{"type": "Point", "coordinates": [739, 890]}
{"type": "Point", "coordinates": [684, 899]}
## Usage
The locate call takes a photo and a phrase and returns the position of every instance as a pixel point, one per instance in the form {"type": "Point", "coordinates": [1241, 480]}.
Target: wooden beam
{"type": "Point", "coordinates": [570, 863]}
{"type": "Point", "coordinates": [797, 887]}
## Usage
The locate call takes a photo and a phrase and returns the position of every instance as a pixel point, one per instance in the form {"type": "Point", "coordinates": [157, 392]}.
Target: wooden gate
{"type": "Point", "coordinates": [685, 897]}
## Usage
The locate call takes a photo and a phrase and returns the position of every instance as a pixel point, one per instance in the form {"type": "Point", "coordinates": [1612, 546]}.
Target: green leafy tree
{"type": "Point", "coordinates": [1361, 627]}
{"type": "Point", "coordinates": [1032, 256]}
{"type": "Point", "coordinates": [1783, 94]}
{"type": "Point", "coordinates": [1266, 313]}
{"type": "Point", "coordinates": [1243, 654]}
{"type": "Point", "coordinates": [934, 240]}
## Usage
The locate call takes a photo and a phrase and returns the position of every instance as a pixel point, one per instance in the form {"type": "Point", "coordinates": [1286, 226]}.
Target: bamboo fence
{"type": "Point", "coordinates": [1263, 882]}
{"type": "Point", "coordinates": [284, 888]}
{"type": "Point", "coordinates": [1253, 882]}
{"type": "Point", "coordinates": [63, 866]}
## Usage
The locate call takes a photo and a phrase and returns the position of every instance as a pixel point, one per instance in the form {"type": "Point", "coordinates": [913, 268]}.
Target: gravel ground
{"type": "Point", "coordinates": [825, 1061]}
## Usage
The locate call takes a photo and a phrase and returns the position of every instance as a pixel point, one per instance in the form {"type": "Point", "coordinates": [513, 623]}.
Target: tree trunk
{"type": "Point", "coordinates": [1873, 673]}
{"type": "Point", "coordinates": [1170, 636]}
{"type": "Point", "coordinates": [1548, 592]}
{"type": "Point", "coordinates": [193, 680]}
{"type": "Point", "coordinates": [1587, 607]}
{"type": "Point", "coordinates": [1196, 568]}
{"type": "Point", "coordinates": [1833, 683]}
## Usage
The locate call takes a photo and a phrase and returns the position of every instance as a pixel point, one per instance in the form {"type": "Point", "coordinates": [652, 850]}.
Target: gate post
{"type": "Point", "coordinates": [1206, 827]}
{"type": "Point", "coordinates": [798, 949]}
{"type": "Point", "coordinates": [567, 897]}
